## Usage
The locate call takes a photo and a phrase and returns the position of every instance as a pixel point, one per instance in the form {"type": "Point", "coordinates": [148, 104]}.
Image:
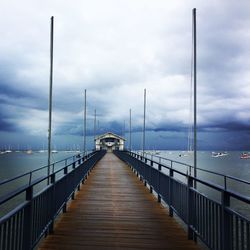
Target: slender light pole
{"type": "Point", "coordinates": [94, 127]}
{"type": "Point", "coordinates": [124, 128]}
{"type": "Point", "coordinates": [50, 91]}
{"type": "Point", "coordinates": [144, 124]}
{"type": "Point", "coordinates": [195, 97]}
{"type": "Point", "coordinates": [85, 112]}
{"type": "Point", "coordinates": [130, 130]}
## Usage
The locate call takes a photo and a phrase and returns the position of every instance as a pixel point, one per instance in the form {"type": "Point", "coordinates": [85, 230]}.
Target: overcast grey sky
{"type": "Point", "coordinates": [115, 49]}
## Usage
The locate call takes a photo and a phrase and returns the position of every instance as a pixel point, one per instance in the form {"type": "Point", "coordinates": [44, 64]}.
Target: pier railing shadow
{"type": "Point", "coordinates": [216, 223]}
{"type": "Point", "coordinates": [38, 199]}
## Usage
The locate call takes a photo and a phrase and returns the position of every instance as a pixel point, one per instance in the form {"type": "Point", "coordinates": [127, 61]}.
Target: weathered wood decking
{"type": "Point", "coordinates": [115, 211]}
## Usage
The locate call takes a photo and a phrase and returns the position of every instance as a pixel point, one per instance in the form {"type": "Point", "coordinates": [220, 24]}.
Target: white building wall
{"type": "Point", "coordinates": [121, 146]}
{"type": "Point", "coordinates": [97, 144]}
{"type": "Point", "coordinates": [108, 145]}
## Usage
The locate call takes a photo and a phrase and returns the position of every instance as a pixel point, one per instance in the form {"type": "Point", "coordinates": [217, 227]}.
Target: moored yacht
{"type": "Point", "coordinates": [245, 155]}
{"type": "Point", "coordinates": [219, 154]}
{"type": "Point", "coordinates": [29, 152]}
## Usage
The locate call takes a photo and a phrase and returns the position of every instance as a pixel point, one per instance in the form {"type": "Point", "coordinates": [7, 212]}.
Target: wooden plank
{"type": "Point", "coordinates": [114, 210]}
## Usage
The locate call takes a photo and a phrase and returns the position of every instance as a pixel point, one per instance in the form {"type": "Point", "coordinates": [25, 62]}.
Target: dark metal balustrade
{"type": "Point", "coordinates": [217, 224]}
{"type": "Point", "coordinates": [27, 223]}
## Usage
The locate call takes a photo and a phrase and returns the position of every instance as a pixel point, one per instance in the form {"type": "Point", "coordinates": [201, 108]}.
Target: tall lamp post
{"type": "Point", "coordinates": [50, 91]}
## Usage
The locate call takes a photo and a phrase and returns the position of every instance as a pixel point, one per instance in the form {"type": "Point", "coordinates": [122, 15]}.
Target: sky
{"type": "Point", "coordinates": [115, 49]}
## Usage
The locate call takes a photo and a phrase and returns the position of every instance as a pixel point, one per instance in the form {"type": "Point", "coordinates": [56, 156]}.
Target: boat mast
{"type": "Point", "coordinates": [50, 91]}
{"type": "Point", "coordinates": [195, 97]}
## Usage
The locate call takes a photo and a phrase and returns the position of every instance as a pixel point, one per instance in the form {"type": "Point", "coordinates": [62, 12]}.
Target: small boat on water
{"type": "Point", "coordinates": [219, 154]}
{"type": "Point", "coordinates": [186, 153]}
{"type": "Point", "coordinates": [29, 152]}
{"type": "Point", "coordinates": [156, 152]}
{"type": "Point", "coordinates": [54, 151]}
{"type": "Point", "coordinates": [245, 156]}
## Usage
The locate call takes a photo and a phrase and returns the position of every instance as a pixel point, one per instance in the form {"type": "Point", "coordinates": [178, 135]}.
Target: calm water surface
{"type": "Point", "coordinates": [17, 163]}
{"type": "Point", "coordinates": [230, 165]}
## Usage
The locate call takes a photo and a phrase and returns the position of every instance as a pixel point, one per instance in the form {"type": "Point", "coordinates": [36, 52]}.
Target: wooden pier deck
{"type": "Point", "coordinates": [114, 210]}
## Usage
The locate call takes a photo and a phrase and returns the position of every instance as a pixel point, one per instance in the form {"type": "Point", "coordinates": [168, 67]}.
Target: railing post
{"type": "Point", "coordinates": [190, 208]}
{"type": "Point", "coordinates": [28, 218]}
{"type": "Point", "coordinates": [139, 168]}
{"type": "Point", "coordinates": [151, 187]}
{"type": "Point", "coordinates": [52, 178]}
{"type": "Point", "coordinates": [171, 175]}
{"type": "Point", "coordinates": [73, 195]}
{"type": "Point", "coordinates": [145, 166]}
{"type": "Point", "coordinates": [144, 173]}
{"type": "Point", "coordinates": [159, 183]}
{"type": "Point", "coordinates": [65, 170]}
{"type": "Point", "coordinates": [53, 202]}
{"type": "Point", "coordinates": [225, 221]}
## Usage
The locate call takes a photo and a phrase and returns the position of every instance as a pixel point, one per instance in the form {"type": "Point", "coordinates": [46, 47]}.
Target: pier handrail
{"type": "Point", "coordinates": [225, 176]}
{"type": "Point", "coordinates": [73, 157]}
{"type": "Point", "coordinates": [217, 223]}
{"type": "Point", "coordinates": [43, 198]}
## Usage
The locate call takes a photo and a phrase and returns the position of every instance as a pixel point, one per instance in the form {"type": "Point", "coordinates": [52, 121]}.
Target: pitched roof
{"type": "Point", "coordinates": [110, 133]}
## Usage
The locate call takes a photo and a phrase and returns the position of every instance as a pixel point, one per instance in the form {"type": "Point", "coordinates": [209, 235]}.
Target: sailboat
{"type": "Point", "coordinates": [7, 151]}
{"type": "Point", "coordinates": [219, 154]}
{"type": "Point", "coordinates": [29, 152]}
{"type": "Point", "coordinates": [245, 155]}
{"type": "Point", "coordinates": [54, 151]}
{"type": "Point", "coordinates": [41, 150]}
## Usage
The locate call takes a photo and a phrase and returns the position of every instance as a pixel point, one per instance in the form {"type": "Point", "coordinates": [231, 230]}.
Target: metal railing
{"type": "Point", "coordinates": [224, 179]}
{"type": "Point", "coordinates": [30, 220]}
{"type": "Point", "coordinates": [215, 223]}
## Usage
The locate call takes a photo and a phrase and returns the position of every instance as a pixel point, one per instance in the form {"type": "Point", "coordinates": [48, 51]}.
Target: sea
{"type": "Point", "coordinates": [211, 169]}
{"type": "Point", "coordinates": [14, 164]}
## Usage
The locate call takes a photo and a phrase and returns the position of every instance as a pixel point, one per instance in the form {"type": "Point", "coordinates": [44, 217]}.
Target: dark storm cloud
{"type": "Point", "coordinates": [7, 126]}
{"type": "Point", "coordinates": [17, 93]}
{"type": "Point", "coordinates": [227, 126]}
{"type": "Point", "coordinates": [16, 103]}
{"type": "Point", "coordinates": [173, 128]}
{"type": "Point", "coordinates": [13, 93]}
{"type": "Point", "coordinates": [115, 58]}
{"type": "Point", "coordinates": [69, 128]}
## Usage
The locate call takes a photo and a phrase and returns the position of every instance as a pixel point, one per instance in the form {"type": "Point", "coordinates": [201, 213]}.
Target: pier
{"type": "Point", "coordinates": [121, 200]}
{"type": "Point", "coordinates": [114, 210]}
